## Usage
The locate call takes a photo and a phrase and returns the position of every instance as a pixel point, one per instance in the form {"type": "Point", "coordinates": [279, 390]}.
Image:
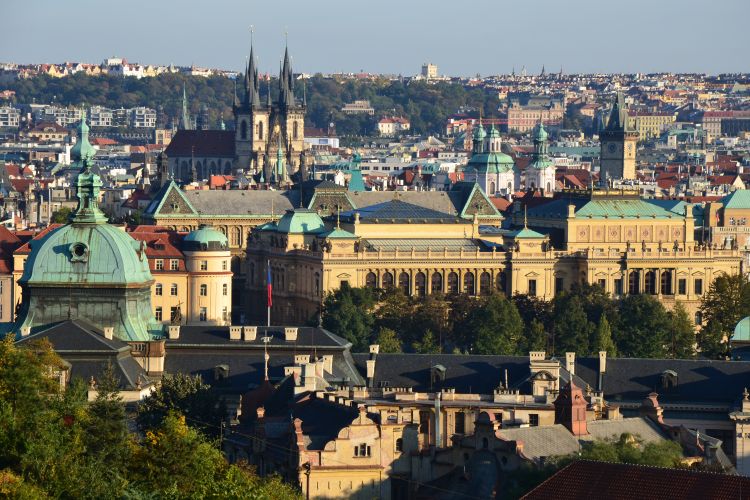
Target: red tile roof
{"type": "Point", "coordinates": [26, 249]}
{"type": "Point", "coordinates": [585, 479]}
{"type": "Point", "coordinates": [9, 242]}
{"type": "Point", "coordinates": [103, 141]}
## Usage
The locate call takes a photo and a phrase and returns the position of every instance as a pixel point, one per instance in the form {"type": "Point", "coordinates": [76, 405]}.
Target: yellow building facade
{"type": "Point", "coordinates": [616, 240]}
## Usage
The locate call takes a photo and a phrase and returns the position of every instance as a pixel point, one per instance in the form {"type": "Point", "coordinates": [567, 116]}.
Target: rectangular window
{"type": "Point", "coordinates": [204, 265]}
{"type": "Point", "coordinates": [174, 264]}
{"type": "Point", "coordinates": [460, 423]}
{"type": "Point", "coordinates": [602, 283]}
{"type": "Point", "coordinates": [223, 265]}
{"type": "Point", "coordinates": [698, 286]}
{"type": "Point", "coordinates": [203, 314]}
{"type": "Point", "coordinates": [533, 420]}
{"type": "Point", "coordinates": [172, 313]}
{"type": "Point", "coordinates": [158, 290]}
{"type": "Point", "coordinates": [682, 286]}
{"type": "Point", "coordinates": [173, 290]}
{"type": "Point", "coordinates": [618, 286]}
{"type": "Point", "coordinates": [225, 289]}
{"type": "Point", "coordinates": [559, 285]}
{"type": "Point", "coordinates": [158, 314]}
{"type": "Point", "coordinates": [532, 288]}
{"type": "Point", "coordinates": [362, 450]}
{"type": "Point", "coordinates": [159, 265]}
{"type": "Point", "coordinates": [204, 290]}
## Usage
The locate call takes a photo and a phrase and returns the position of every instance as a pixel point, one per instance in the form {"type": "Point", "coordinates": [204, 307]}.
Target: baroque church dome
{"type": "Point", "coordinates": [88, 269]}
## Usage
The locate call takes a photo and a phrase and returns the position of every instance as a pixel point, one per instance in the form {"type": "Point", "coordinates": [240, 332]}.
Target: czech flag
{"type": "Point", "coordinates": [269, 286]}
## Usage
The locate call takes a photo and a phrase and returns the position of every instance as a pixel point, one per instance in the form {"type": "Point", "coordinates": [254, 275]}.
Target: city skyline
{"type": "Point", "coordinates": [653, 38]}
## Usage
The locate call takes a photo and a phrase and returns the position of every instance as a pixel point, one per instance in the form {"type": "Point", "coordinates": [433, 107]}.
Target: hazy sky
{"type": "Point", "coordinates": [462, 37]}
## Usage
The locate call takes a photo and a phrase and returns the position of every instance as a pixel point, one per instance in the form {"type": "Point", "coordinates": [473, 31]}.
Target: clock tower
{"type": "Point", "coordinates": [618, 145]}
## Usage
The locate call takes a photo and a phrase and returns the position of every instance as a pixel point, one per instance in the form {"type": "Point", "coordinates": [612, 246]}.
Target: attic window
{"type": "Point", "coordinates": [669, 379]}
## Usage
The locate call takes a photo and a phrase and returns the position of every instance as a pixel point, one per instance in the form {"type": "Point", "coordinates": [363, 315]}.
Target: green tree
{"type": "Point", "coordinates": [725, 303]}
{"type": "Point", "coordinates": [643, 327]}
{"type": "Point", "coordinates": [572, 329]}
{"type": "Point", "coordinates": [536, 337]}
{"type": "Point", "coordinates": [61, 216]}
{"type": "Point", "coordinates": [681, 333]}
{"type": "Point", "coordinates": [184, 395]}
{"type": "Point", "coordinates": [388, 341]}
{"type": "Point", "coordinates": [462, 307]}
{"type": "Point", "coordinates": [349, 312]}
{"type": "Point", "coordinates": [176, 461]}
{"type": "Point", "coordinates": [632, 450]}
{"type": "Point", "coordinates": [496, 326]}
{"type": "Point", "coordinates": [427, 344]}
{"type": "Point", "coordinates": [603, 338]}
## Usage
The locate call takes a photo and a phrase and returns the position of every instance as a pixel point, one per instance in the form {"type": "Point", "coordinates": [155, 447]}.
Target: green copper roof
{"type": "Point", "coordinates": [539, 133]}
{"type": "Point", "coordinates": [601, 208]}
{"type": "Point", "coordinates": [82, 149]}
{"type": "Point", "coordinates": [300, 221]}
{"type": "Point", "coordinates": [494, 133]}
{"type": "Point", "coordinates": [491, 163]}
{"type": "Point", "coordinates": [339, 233]}
{"type": "Point", "coordinates": [479, 133]}
{"type": "Point", "coordinates": [742, 330]}
{"type": "Point", "coordinates": [738, 199]}
{"type": "Point", "coordinates": [206, 238]}
{"type": "Point", "coordinates": [525, 233]}
{"type": "Point", "coordinates": [84, 255]}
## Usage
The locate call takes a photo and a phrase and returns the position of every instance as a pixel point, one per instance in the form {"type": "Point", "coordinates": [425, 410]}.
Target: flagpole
{"type": "Point", "coordinates": [268, 287]}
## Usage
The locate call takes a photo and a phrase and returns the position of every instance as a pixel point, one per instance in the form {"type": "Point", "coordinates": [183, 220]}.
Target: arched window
{"type": "Point", "coordinates": [243, 129]}
{"type": "Point", "coordinates": [634, 282]}
{"type": "Point", "coordinates": [666, 282]}
{"type": "Point", "coordinates": [500, 282]}
{"type": "Point", "coordinates": [260, 130]}
{"type": "Point", "coordinates": [387, 280]}
{"type": "Point", "coordinates": [212, 169]}
{"type": "Point", "coordinates": [492, 188]}
{"type": "Point", "coordinates": [510, 187]}
{"type": "Point", "coordinates": [698, 318]}
{"type": "Point", "coordinates": [295, 130]}
{"type": "Point", "coordinates": [650, 282]}
{"type": "Point", "coordinates": [403, 282]}
{"type": "Point", "coordinates": [437, 283]}
{"type": "Point", "coordinates": [485, 283]}
{"type": "Point", "coordinates": [420, 283]}
{"type": "Point", "coordinates": [204, 290]}
{"type": "Point", "coordinates": [549, 187]}
{"type": "Point", "coordinates": [371, 280]}
{"type": "Point", "coordinates": [469, 287]}
{"type": "Point", "coordinates": [228, 167]}
{"type": "Point", "coordinates": [452, 283]}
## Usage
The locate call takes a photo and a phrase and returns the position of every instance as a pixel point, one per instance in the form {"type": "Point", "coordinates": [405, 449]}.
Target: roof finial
{"type": "Point", "coordinates": [745, 394]}
{"type": "Point", "coordinates": [338, 217]}
{"type": "Point", "coordinates": [266, 357]}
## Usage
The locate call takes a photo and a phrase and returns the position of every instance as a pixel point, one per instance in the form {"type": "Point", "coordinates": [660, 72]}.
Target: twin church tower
{"type": "Point", "coordinates": [269, 135]}
{"type": "Point", "coordinates": [267, 143]}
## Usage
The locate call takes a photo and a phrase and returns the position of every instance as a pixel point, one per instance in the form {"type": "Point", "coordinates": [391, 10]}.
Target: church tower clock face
{"type": "Point", "coordinates": [612, 147]}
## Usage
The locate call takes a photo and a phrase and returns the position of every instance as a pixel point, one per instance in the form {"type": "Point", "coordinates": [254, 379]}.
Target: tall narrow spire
{"type": "Point", "coordinates": [185, 119]}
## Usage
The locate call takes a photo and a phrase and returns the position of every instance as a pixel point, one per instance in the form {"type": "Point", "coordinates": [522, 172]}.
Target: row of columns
{"type": "Point", "coordinates": [496, 277]}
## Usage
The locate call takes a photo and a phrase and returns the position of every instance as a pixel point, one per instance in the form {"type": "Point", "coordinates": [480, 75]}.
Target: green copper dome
{"type": "Point", "coordinates": [539, 133]}
{"type": "Point", "coordinates": [85, 256]}
{"type": "Point", "coordinates": [479, 133]}
{"type": "Point", "coordinates": [82, 148]}
{"type": "Point", "coordinates": [205, 238]}
{"type": "Point", "coordinates": [742, 330]}
{"type": "Point", "coordinates": [494, 133]}
{"type": "Point", "coordinates": [90, 270]}
{"type": "Point", "coordinates": [490, 163]}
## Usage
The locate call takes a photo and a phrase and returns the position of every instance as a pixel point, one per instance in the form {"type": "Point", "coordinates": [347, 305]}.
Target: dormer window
{"type": "Point", "coordinates": [669, 379]}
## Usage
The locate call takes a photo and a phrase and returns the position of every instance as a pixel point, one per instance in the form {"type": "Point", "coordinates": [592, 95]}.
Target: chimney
{"type": "Point", "coordinates": [173, 332]}
{"type": "Point", "coordinates": [571, 211]}
{"type": "Point", "coordinates": [25, 331]}
{"type": "Point", "coordinates": [370, 371]}
{"type": "Point", "coordinates": [650, 408]}
{"type": "Point", "coordinates": [301, 359]}
{"type": "Point", "coordinates": [374, 349]}
{"type": "Point", "coordinates": [290, 334]}
{"type": "Point", "coordinates": [602, 369]}
{"type": "Point", "coordinates": [570, 362]}
{"type": "Point", "coordinates": [537, 356]}
{"type": "Point", "coordinates": [328, 363]}
{"type": "Point", "coordinates": [570, 409]}
{"type": "Point", "coordinates": [108, 332]}
{"type": "Point", "coordinates": [249, 333]}
{"type": "Point", "coordinates": [235, 332]}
